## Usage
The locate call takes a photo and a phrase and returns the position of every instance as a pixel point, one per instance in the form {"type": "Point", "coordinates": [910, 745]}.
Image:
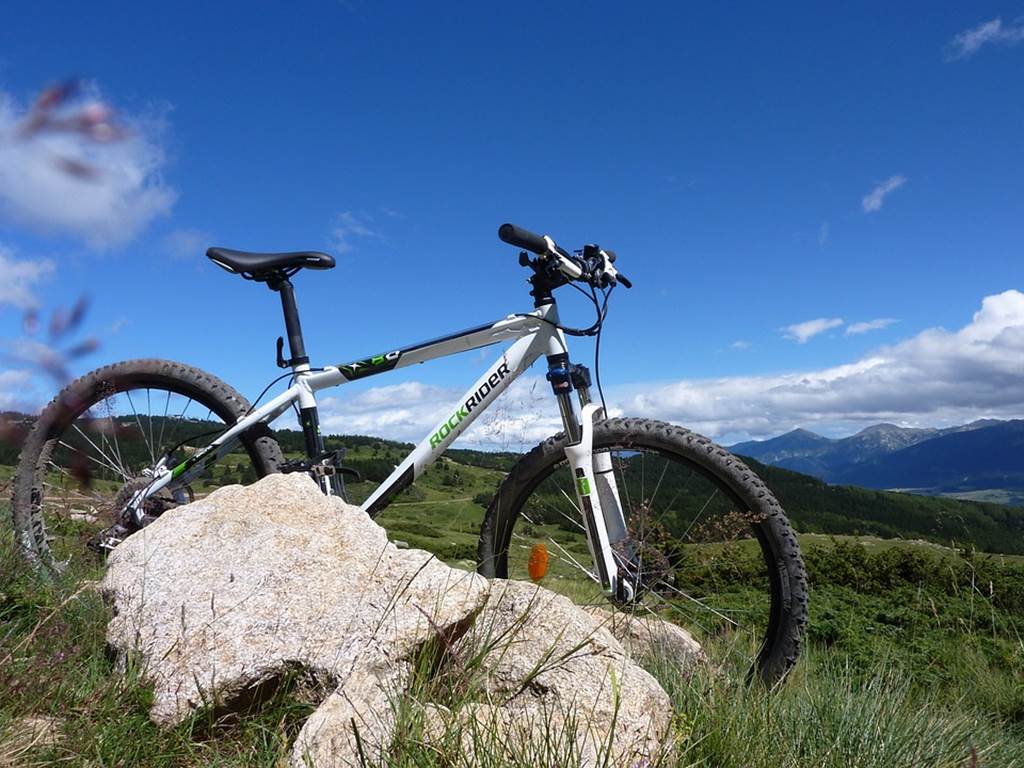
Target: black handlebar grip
{"type": "Point", "coordinates": [523, 238]}
{"type": "Point", "coordinates": [624, 280]}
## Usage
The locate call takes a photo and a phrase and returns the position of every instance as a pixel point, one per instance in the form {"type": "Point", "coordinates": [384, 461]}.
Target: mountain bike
{"type": "Point", "coordinates": [643, 515]}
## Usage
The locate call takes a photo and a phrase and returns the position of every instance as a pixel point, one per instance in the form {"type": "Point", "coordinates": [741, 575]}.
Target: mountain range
{"type": "Point", "coordinates": [983, 455]}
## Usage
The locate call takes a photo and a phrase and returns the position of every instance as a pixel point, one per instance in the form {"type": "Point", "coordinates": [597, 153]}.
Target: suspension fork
{"type": "Point", "coordinates": [597, 492]}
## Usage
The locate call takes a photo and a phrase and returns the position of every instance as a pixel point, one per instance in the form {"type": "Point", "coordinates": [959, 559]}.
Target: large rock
{"type": "Point", "coordinates": [543, 683]}
{"type": "Point", "coordinates": [235, 590]}
{"type": "Point", "coordinates": [220, 596]}
{"type": "Point", "coordinates": [565, 683]}
{"type": "Point", "coordinates": [645, 636]}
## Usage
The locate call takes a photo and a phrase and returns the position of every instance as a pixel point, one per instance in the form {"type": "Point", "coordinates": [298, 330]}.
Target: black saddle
{"type": "Point", "coordinates": [265, 266]}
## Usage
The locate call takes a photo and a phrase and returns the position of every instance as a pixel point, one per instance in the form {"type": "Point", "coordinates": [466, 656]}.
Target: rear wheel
{"type": "Point", "coordinates": [98, 441]}
{"type": "Point", "coordinates": [715, 551]}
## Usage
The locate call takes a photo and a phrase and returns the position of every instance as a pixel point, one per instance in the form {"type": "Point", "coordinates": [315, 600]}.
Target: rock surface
{"type": "Point", "coordinates": [542, 679]}
{"type": "Point", "coordinates": [563, 678]}
{"type": "Point", "coordinates": [235, 590]}
{"type": "Point", "coordinates": [230, 592]}
{"type": "Point", "coordinates": [646, 636]}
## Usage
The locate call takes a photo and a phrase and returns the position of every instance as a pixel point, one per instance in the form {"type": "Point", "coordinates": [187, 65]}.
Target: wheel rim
{"type": "Point", "coordinates": [704, 554]}
{"type": "Point", "coordinates": [104, 447]}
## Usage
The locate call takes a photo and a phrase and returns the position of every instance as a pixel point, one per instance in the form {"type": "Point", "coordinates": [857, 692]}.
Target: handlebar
{"type": "Point", "coordinates": [596, 270]}
{"type": "Point", "coordinates": [523, 238]}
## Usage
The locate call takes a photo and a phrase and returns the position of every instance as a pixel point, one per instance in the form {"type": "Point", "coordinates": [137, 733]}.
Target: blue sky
{"type": "Point", "coordinates": [797, 194]}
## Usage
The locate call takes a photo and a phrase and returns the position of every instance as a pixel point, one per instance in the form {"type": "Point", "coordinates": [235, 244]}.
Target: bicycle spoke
{"type": "Point", "coordinates": [163, 421]}
{"type": "Point", "coordinates": [149, 412]}
{"type": "Point", "coordinates": [699, 514]}
{"type": "Point", "coordinates": [113, 432]}
{"type": "Point", "coordinates": [629, 503]}
{"type": "Point", "coordinates": [643, 467]}
{"type": "Point", "coordinates": [657, 487]}
{"type": "Point", "coordinates": [180, 418]}
{"type": "Point", "coordinates": [117, 467]}
{"type": "Point", "coordinates": [574, 521]}
{"type": "Point", "coordinates": [570, 561]}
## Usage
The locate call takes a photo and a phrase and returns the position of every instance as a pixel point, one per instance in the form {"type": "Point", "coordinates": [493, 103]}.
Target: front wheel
{"type": "Point", "coordinates": [717, 554]}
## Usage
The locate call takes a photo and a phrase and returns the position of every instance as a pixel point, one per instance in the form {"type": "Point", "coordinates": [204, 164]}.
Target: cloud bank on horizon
{"type": "Point", "coordinates": [935, 378]}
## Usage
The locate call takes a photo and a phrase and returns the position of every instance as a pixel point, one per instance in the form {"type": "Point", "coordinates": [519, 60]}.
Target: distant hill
{"type": "Point", "coordinates": [796, 446]}
{"type": "Point", "coordinates": [990, 457]}
{"type": "Point", "coordinates": [814, 506]}
{"type": "Point", "coordinates": [853, 459]}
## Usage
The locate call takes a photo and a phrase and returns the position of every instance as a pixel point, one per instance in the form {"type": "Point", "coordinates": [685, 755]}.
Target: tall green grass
{"type": "Point", "coordinates": [911, 662]}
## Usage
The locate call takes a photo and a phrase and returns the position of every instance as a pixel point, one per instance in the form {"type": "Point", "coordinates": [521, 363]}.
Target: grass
{"type": "Point", "coordinates": [53, 663]}
{"type": "Point", "coordinates": [832, 714]}
{"type": "Point", "coordinates": [914, 657]}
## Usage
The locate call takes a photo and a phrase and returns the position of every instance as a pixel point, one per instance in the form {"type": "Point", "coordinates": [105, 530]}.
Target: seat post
{"type": "Point", "coordinates": [291, 320]}
{"type": "Point", "coordinates": [309, 419]}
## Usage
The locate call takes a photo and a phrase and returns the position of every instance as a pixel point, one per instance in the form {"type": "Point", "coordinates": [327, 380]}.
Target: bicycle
{"type": "Point", "coordinates": [720, 553]}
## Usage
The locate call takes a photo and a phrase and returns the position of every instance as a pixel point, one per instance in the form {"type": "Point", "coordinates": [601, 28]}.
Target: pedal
{"type": "Point", "coordinates": [326, 464]}
{"type": "Point", "coordinates": [326, 470]}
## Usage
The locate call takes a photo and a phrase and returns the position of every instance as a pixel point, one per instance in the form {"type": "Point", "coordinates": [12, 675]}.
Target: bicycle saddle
{"type": "Point", "coordinates": [261, 265]}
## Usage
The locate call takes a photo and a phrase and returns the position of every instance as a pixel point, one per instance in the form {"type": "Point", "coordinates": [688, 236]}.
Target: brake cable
{"type": "Point", "coordinates": [250, 410]}
{"type": "Point", "coordinates": [593, 330]}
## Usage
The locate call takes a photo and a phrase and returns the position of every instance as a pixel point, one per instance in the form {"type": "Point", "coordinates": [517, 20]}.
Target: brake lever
{"type": "Point", "coordinates": [567, 266]}
{"type": "Point", "coordinates": [608, 271]}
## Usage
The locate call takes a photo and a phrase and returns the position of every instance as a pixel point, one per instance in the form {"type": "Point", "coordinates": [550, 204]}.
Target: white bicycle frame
{"type": "Point", "coordinates": [535, 333]}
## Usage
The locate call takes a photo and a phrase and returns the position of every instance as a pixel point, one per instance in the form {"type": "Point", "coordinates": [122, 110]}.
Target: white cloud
{"type": "Point", "coordinates": [874, 200]}
{"type": "Point", "coordinates": [823, 233]}
{"type": "Point", "coordinates": [523, 416]}
{"type": "Point", "coordinates": [937, 377]}
{"type": "Point", "coordinates": [871, 325]}
{"type": "Point", "coordinates": [740, 344]}
{"type": "Point", "coordinates": [104, 208]}
{"type": "Point", "coordinates": [349, 227]}
{"type": "Point", "coordinates": [18, 279]}
{"type": "Point", "coordinates": [801, 332]}
{"type": "Point", "coordinates": [969, 41]}
{"type": "Point", "coordinates": [14, 385]}
{"type": "Point", "coordinates": [187, 244]}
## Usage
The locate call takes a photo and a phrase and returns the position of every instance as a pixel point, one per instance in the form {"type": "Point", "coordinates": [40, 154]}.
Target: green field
{"type": "Point", "coordinates": [915, 653]}
{"type": "Point", "coordinates": [993, 496]}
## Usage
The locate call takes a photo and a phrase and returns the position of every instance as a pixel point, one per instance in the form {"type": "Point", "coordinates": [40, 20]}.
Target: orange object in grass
{"type": "Point", "coordinates": [538, 563]}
